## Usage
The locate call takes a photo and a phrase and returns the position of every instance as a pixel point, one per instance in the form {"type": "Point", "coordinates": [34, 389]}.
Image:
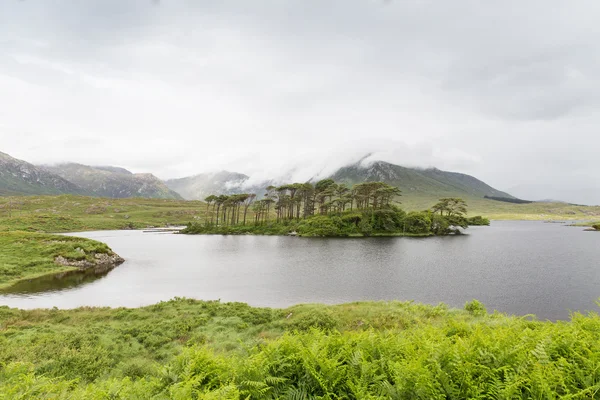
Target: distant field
{"type": "Point", "coordinates": [77, 213]}
{"type": "Point", "coordinates": [498, 210]}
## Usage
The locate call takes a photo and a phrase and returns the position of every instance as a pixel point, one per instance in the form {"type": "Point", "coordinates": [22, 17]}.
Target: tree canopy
{"type": "Point", "coordinates": [327, 208]}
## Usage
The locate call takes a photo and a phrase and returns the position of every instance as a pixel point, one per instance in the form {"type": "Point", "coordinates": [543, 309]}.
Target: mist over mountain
{"type": "Point", "coordinates": [418, 185]}
{"type": "Point", "coordinates": [113, 182]}
{"type": "Point", "coordinates": [417, 181]}
{"type": "Point", "coordinates": [199, 186]}
{"type": "Point", "coordinates": [21, 177]}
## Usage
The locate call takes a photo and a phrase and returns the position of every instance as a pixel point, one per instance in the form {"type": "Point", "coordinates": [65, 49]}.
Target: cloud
{"type": "Point", "coordinates": [505, 91]}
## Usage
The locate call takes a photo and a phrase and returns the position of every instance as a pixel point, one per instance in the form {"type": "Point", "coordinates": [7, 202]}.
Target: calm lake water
{"type": "Point", "coordinates": [515, 267]}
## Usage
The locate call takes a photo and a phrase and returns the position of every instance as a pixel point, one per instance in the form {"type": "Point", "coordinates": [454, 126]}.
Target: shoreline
{"type": "Point", "coordinates": [69, 266]}
{"type": "Point", "coordinates": [29, 256]}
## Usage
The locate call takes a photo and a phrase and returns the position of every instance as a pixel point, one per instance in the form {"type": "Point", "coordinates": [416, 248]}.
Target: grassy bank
{"type": "Point", "coordinates": [25, 255]}
{"type": "Point", "coordinates": [184, 349]}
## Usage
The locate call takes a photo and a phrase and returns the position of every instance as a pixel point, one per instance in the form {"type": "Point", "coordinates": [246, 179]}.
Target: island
{"type": "Point", "coordinates": [330, 209]}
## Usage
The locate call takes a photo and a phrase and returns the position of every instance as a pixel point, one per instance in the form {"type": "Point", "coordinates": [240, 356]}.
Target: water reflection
{"type": "Point", "coordinates": [57, 282]}
{"type": "Point", "coordinates": [514, 267]}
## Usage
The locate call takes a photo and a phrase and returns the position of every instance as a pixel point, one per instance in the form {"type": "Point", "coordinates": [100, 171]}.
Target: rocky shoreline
{"type": "Point", "coordinates": [101, 261]}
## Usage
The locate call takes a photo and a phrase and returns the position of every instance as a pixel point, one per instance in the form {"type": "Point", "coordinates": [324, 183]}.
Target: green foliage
{"type": "Point", "coordinates": [26, 255]}
{"type": "Point", "coordinates": [417, 222]}
{"type": "Point", "coordinates": [596, 227]}
{"type": "Point", "coordinates": [319, 225]}
{"type": "Point", "coordinates": [508, 200]}
{"type": "Point", "coordinates": [320, 319]}
{"type": "Point", "coordinates": [478, 221]}
{"type": "Point", "coordinates": [375, 213]}
{"type": "Point", "coordinates": [475, 308]}
{"type": "Point", "coordinates": [266, 229]}
{"type": "Point", "coordinates": [373, 350]}
{"type": "Point", "coordinates": [365, 228]}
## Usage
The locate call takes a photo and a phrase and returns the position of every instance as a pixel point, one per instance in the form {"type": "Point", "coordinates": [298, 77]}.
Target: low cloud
{"type": "Point", "coordinates": [505, 91]}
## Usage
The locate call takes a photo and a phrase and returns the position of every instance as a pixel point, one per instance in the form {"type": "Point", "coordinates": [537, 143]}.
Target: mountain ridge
{"type": "Point", "coordinates": [113, 182]}
{"type": "Point", "coordinates": [418, 185]}
{"type": "Point", "coordinates": [20, 177]}
{"type": "Point", "coordinates": [428, 183]}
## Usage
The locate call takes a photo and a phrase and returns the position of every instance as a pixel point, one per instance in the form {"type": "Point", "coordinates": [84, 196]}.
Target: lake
{"type": "Point", "coordinates": [515, 267]}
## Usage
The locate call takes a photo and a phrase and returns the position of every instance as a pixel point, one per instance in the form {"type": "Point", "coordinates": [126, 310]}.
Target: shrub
{"type": "Point", "coordinates": [478, 221]}
{"type": "Point", "coordinates": [319, 319]}
{"type": "Point", "coordinates": [365, 228]}
{"type": "Point", "coordinates": [386, 219]}
{"type": "Point", "coordinates": [417, 222]}
{"type": "Point", "coordinates": [596, 227]}
{"type": "Point", "coordinates": [475, 308]}
{"type": "Point", "coordinates": [319, 225]}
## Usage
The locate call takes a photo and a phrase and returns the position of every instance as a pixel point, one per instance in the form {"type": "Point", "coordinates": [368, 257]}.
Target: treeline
{"type": "Point", "coordinates": [330, 209]}
{"type": "Point", "coordinates": [508, 200]}
{"type": "Point", "coordinates": [300, 200]}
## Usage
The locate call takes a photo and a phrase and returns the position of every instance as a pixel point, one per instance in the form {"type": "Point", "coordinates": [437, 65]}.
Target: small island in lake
{"type": "Point", "coordinates": [332, 210]}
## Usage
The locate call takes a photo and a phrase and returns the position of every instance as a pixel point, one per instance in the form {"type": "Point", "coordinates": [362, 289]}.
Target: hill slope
{"type": "Point", "coordinates": [199, 186]}
{"type": "Point", "coordinates": [20, 177]}
{"type": "Point", "coordinates": [419, 186]}
{"type": "Point", "coordinates": [113, 182]}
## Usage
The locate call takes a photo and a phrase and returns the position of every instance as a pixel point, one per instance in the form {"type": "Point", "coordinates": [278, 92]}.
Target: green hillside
{"type": "Point", "coordinates": [421, 188]}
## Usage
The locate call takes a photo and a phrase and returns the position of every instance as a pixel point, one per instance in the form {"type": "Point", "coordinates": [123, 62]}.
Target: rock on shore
{"type": "Point", "coordinates": [101, 261]}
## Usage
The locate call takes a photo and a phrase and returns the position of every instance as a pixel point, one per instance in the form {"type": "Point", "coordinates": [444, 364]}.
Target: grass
{"type": "Point", "coordinates": [497, 210]}
{"type": "Point", "coordinates": [188, 349]}
{"type": "Point", "coordinates": [70, 213]}
{"type": "Point", "coordinates": [28, 255]}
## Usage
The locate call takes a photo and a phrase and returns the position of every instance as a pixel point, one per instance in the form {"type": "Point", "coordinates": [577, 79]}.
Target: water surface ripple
{"type": "Point", "coordinates": [514, 267]}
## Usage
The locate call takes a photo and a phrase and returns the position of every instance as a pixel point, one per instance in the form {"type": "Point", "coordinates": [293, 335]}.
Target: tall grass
{"type": "Point", "coordinates": [185, 349]}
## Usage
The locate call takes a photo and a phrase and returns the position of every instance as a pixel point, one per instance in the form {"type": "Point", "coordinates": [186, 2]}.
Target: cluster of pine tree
{"type": "Point", "coordinates": [330, 209]}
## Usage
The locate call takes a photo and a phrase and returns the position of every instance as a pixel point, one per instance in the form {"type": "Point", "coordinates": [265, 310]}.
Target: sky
{"type": "Point", "coordinates": [507, 91]}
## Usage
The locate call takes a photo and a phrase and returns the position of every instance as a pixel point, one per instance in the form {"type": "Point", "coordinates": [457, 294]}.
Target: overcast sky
{"type": "Point", "coordinates": [507, 91]}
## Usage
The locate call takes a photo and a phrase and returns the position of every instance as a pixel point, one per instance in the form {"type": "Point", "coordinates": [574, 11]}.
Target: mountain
{"type": "Point", "coordinates": [199, 186]}
{"type": "Point", "coordinates": [415, 181]}
{"type": "Point", "coordinates": [20, 177]}
{"type": "Point", "coordinates": [113, 182]}
{"type": "Point", "coordinates": [420, 187]}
